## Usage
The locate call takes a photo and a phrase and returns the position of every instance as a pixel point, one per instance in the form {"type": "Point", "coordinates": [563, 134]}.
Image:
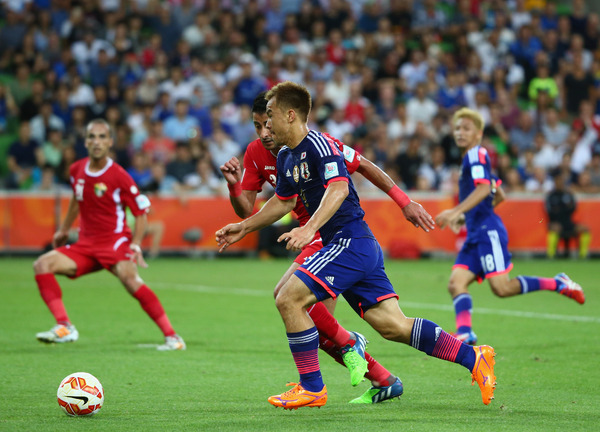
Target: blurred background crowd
{"type": "Point", "coordinates": [176, 80]}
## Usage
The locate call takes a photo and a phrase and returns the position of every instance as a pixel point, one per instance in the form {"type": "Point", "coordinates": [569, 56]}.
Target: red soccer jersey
{"type": "Point", "coordinates": [260, 167]}
{"type": "Point", "coordinates": [102, 197]}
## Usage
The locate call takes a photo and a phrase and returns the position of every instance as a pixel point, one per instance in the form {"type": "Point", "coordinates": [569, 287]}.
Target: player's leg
{"type": "Point", "coordinates": [460, 279]}
{"type": "Point", "coordinates": [303, 338]}
{"type": "Point", "coordinates": [552, 239]}
{"type": "Point", "coordinates": [585, 238]}
{"type": "Point", "coordinates": [127, 273]}
{"type": "Point", "coordinates": [45, 267]}
{"type": "Point", "coordinates": [388, 319]}
{"type": "Point", "coordinates": [333, 337]}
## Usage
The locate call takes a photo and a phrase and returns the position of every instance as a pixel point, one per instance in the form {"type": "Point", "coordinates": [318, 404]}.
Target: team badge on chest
{"type": "Point", "coordinates": [304, 170]}
{"type": "Point", "coordinates": [296, 174]}
{"type": "Point", "coordinates": [100, 189]}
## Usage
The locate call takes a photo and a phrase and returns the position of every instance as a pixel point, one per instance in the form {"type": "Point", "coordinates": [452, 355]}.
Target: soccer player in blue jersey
{"type": "Point", "coordinates": [350, 263]}
{"type": "Point", "coordinates": [484, 254]}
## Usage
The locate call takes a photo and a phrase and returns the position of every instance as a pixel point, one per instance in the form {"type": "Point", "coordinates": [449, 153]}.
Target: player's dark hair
{"type": "Point", "coordinates": [291, 95]}
{"type": "Point", "coordinates": [259, 106]}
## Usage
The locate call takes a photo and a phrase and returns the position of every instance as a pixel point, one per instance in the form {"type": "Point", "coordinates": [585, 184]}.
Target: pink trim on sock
{"type": "Point", "coordinates": [548, 284]}
{"type": "Point", "coordinates": [306, 361]}
{"type": "Point", "coordinates": [446, 347]}
{"type": "Point", "coordinates": [463, 319]}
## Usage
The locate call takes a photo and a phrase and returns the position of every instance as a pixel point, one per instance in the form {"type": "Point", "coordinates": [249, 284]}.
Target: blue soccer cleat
{"type": "Point", "coordinates": [354, 359]}
{"type": "Point", "coordinates": [379, 394]}
{"type": "Point", "coordinates": [469, 338]}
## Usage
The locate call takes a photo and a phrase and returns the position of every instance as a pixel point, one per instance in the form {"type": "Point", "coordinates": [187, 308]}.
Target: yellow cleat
{"type": "Point", "coordinates": [299, 397]}
{"type": "Point", "coordinates": [483, 372]}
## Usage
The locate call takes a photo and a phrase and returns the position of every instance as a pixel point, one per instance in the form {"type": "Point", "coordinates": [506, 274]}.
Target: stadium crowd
{"type": "Point", "coordinates": [176, 80]}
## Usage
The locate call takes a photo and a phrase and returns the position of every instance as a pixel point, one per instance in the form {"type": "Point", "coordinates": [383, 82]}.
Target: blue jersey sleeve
{"type": "Point", "coordinates": [329, 160]}
{"type": "Point", "coordinates": [479, 165]}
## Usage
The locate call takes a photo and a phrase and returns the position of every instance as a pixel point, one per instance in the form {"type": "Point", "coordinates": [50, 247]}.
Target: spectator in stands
{"type": "Point", "coordinates": [409, 161]}
{"type": "Point", "coordinates": [53, 148]}
{"type": "Point", "coordinates": [81, 94]}
{"type": "Point", "coordinates": [222, 147]}
{"type": "Point", "coordinates": [176, 86]}
{"type": "Point", "coordinates": [30, 107]}
{"type": "Point", "coordinates": [181, 125]}
{"type": "Point", "coordinates": [42, 123]}
{"type": "Point", "coordinates": [101, 68]}
{"type": "Point", "coordinates": [8, 108]}
{"type": "Point", "coordinates": [522, 135]}
{"type": "Point", "coordinates": [24, 156]}
{"type": "Point", "coordinates": [578, 84]}
{"type": "Point", "coordinates": [420, 108]}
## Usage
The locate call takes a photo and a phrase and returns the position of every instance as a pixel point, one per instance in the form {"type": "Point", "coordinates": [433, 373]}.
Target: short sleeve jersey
{"type": "Point", "coordinates": [307, 170]}
{"type": "Point", "coordinates": [260, 166]}
{"type": "Point", "coordinates": [476, 169]}
{"type": "Point", "coordinates": [102, 197]}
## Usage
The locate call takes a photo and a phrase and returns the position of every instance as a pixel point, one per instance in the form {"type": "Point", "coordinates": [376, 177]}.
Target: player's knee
{"type": "Point", "coordinates": [454, 289]}
{"type": "Point", "coordinates": [42, 265]}
{"type": "Point", "coordinates": [501, 290]}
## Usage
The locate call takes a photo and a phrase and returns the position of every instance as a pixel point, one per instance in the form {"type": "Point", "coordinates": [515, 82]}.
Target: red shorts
{"type": "Point", "coordinates": [309, 249]}
{"type": "Point", "coordinates": [91, 256]}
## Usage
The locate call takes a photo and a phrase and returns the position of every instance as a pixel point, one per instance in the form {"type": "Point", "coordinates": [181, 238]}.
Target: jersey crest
{"type": "Point", "coordinates": [100, 189]}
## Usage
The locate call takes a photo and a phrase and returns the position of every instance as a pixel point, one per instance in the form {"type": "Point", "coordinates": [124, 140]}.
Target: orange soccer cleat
{"type": "Point", "coordinates": [483, 372]}
{"type": "Point", "coordinates": [298, 397]}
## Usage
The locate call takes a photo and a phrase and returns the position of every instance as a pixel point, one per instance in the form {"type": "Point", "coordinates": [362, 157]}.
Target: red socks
{"type": "Point", "coordinates": [328, 326]}
{"type": "Point", "coordinates": [151, 305]}
{"type": "Point", "coordinates": [334, 336]}
{"type": "Point", "coordinates": [52, 296]}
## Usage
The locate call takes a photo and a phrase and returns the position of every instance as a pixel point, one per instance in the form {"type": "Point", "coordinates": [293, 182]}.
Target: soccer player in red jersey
{"type": "Point", "coordinates": [101, 191]}
{"type": "Point", "coordinates": [259, 167]}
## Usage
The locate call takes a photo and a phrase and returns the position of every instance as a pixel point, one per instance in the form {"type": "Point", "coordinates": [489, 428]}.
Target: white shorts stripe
{"type": "Point", "coordinates": [497, 250]}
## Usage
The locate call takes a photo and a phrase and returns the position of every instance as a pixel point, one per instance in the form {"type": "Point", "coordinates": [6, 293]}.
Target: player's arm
{"type": "Point", "coordinates": [413, 211]}
{"type": "Point", "coordinates": [241, 200]}
{"type": "Point", "coordinates": [451, 216]}
{"type": "Point", "coordinates": [271, 212]}
{"type": "Point", "coordinates": [334, 196]}
{"type": "Point", "coordinates": [62, 234]}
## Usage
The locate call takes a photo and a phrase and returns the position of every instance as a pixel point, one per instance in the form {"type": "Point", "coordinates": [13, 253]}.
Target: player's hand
{"type": "Point", "coordinates": [446, 218]}
{"type": "Point", "coordinates": [418, 216]}
{"type": "Point", "coordinates": [457, 223]}
{"type": "Point", "coordinates": [138, 256]}
{"type": "Point", "coordinates": [229, 235]}
{"type": "Point", "coordinates": [297, 238]}
{"type": "Point", "coordinates": [232, 170]}
{"type": "Point", "coordinates": [60, 238]}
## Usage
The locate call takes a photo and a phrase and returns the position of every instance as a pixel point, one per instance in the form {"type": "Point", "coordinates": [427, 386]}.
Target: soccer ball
{"type": "Point", "coordinates": [80, 394]}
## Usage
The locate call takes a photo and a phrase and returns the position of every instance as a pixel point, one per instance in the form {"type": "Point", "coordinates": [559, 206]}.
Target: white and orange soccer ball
{"type": "Point", "coordinates": [80, 394]}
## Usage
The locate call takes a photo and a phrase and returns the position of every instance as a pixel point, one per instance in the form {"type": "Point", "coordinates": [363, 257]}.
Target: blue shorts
{"type": "Point", "coordinates": [351, 266]}
{"type": "Point", "coordinates": [486, 253]}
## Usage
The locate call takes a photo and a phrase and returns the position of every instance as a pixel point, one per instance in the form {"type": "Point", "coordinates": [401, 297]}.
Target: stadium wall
{"type": "Point", "coordinates": [29, 221]}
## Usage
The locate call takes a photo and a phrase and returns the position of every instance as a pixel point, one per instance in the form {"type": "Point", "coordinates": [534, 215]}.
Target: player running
{"type": "Point", "coordinates": [260, 162]}
{"type": "Point", "coordinates": [101, 191]}
{"type": "Point", "coordinates": [484, 254]}
{"type": "Point", "coordinates": [350, 262]}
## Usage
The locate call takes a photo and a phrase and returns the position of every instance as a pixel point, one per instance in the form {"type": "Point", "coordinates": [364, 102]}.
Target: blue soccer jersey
{"type": "Point", "coordinates": [476, 169]}
{"type": "Point", "coordinates": [485, 251]}
{"type": "Point", "coordinates": [307, 170]}
{"type": "Point", "coordinates": [351, 260]}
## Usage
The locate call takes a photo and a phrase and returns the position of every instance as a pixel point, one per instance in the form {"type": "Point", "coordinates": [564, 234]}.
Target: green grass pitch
{"type": "Point", "coordinates": [547, 348]}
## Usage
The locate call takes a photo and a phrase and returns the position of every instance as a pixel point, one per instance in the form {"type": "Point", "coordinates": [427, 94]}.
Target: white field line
{"type": "Point", "coordinates": [403, 304]}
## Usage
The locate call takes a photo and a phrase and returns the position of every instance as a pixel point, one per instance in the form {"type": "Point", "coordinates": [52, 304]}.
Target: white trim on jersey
{"type": "Point", "coordinates": [317, 265]}
{"type": "Point", "coordinates": [497, 250]}
{"type": "Point", "coordinates": [473, 155]}
{"type": "Point", "coordinates": [98, 173]}
{"type": "Point", "coordinates": [320, 143]}
{"type": "Point", "coordinates": [120, 213]}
